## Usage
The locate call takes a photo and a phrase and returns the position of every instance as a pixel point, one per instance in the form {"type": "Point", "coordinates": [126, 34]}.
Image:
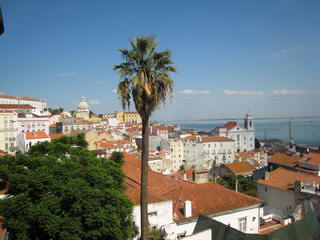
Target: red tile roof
{"type": "Point", "coordinates": [16, 106]}
{"type": "Point", "coordinates": [207, 198]}
{"type": "Point", "coordinates": [285, 160]}
{"type": "Point", "coordinates": [55, 136]}
{"type": "Point", "coordinates": [159, 127]}
{"type": "Point", "coordinates": [239, 167]}
{"type": "Point", "coordinates": [21, 98]}
{"type": "Point", "coordinates": [230, 125]}
{"type": "Point", "coordinates": [6, 111]}
{"type": "Point", "coordinates": [3, 153]}
{"type": "Point", "coordinates": [216, 139]}
{"type": "Point", "coordinates": [36, 135]}
{"type": "Point", "coordinates": [314, 159]}
{"type": "Point", "coordinates": [284, 179]}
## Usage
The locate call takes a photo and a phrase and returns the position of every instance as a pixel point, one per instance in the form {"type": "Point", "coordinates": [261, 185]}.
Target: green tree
{"type": "Point", "coordinates": [54, 111]}
{"type": "Point", "coordinates": [145, 79]}
{"type": "Point", "coordinates": [60, 190]}
{"type": "Point", "coordinates": [245, 184]}
{"type": "Point", "coordinates": [117, 157]}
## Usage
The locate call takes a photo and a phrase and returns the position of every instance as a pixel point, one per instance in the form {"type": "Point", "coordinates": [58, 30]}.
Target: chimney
{"type": "Point", "coordinates": [266, 175]}
{"type": "Point", "coordinates": [187, 208]}
{"type": "Point", "coordinates": [185, 176]}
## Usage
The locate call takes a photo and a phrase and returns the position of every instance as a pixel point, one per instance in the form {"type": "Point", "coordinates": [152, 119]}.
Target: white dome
{"type": "Point", "coordinates": [83, 105]}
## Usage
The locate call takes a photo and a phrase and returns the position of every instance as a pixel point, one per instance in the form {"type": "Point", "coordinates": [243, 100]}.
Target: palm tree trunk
{"type": "Point", "coordinates": [144, 179]}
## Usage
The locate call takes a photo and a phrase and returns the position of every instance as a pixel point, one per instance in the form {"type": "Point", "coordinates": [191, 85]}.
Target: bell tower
{"type": "Point", "coordinates": [248, 122]}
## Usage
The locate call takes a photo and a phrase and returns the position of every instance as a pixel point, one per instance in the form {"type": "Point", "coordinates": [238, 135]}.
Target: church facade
{"type": "Point", "coordinates": [244, 136]}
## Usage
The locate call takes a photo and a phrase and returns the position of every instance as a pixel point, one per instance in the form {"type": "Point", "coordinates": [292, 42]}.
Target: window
{"type": "Point", "coordinates": [6, 146]}
{"type": "Point", "coordinates": [265, 189]}
{"type": "Point", "coordinates": [243, 224]}
{"type": "Point", "coordinates": [238, 138]}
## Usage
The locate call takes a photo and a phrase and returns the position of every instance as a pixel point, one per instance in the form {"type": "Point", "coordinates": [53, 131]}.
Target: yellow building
{"type": "Point", "coordinates": [120, 117]}
{"type": "Point", "coordinates": [125, 117]}
{"type": "Point", "coordinates": [109, 115]}
{"type": "Point", "coordinates": [132, 117]}
{"type": "Point", "coordinates": [95, 119]}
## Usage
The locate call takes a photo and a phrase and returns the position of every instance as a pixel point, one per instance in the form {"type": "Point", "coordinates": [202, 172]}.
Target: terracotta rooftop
{"type": "Point", "coordinates": [216, 139]}
{"type": "Point", "coordinates": [239, 167]}
{"type": "Point", "coordinates": [207, 198]}
{"type": "Point", "coordinates": [230, 125]}
{"type": "Point", "coordinates": [3, 153]}
{"type": "Point", "coordinates": [55, 136]}
{"type": "Point", "coordinates": [36, 135]}
{"type": "Point", "coordinates": [16, 106]}
{"type": "Point", "coordinates": [6, 111]}
{"type": "Point", "coordinates": [208, 139]}
{"type": "Point", "coordinates": [312, 159]}
{"type": "Point", "coordinates": [284, 179]}
{"type": "Point", "coordinates": [160, 127]}
{"type": "Point", "coordinates": [285, 160]}
{"type": "Point", "coordinates": [21, 98]}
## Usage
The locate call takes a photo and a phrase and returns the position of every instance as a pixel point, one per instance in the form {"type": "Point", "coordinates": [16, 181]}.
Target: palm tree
{"type": "Point", "coordinates": [145, 79]}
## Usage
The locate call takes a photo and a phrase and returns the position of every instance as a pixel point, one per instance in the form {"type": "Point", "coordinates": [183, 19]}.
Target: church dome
{"type": "Point", "coordinates": [83, 105]}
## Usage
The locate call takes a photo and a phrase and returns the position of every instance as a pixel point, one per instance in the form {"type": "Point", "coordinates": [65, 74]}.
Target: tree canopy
{"type": "Point", "coordinates": [60, 190]}
{"type": "Point", "coordinates": [145, 75]}
{"type": "Point", "coordinates": [55, 111]}
{"type": "Point", "coordinates": [245, 184]}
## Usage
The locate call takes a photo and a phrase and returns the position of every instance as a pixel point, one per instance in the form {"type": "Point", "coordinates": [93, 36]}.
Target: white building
{"type": "Point", "coordinates": [8, 130]}
{"type": "Point", "coordinates": [27, 139]}
{"type": "Point", "coordinates": [243, 135]}
{"type": "Point", "coordinates": [35, 102]}
{"type": "Point", "coordinates": [176, 154]}
{"type": "Point", "coordinates": [201, 152]}
{"type": "Point", "coordinates": [174, 205]}
{"type": "Point", "coordinates": [83, 109]}
{"type": "Point", "coordinates": [29, 122]}
{"type": "Point", "coordinates": [68, 125]}
{"type": "Point", "coordinates": [278, 190]}
{"type": "Point", "coordinates": [113, 121]}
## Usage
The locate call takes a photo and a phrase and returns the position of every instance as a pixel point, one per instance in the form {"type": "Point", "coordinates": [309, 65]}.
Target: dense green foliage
{"type": "Point", "coordinates": [54, 111]}
{"type": "Point", "coordinates": [117, 157]}
{"type": "Point", "coordinates": [60, 190]}
{"type": "Point", "coordinates": [245, 184]}
{"type": "Point", "coordinates": [145, 75]}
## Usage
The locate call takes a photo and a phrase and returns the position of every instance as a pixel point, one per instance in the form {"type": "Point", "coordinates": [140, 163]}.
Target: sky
{"type": "Point", "coordinates": [232, 56]}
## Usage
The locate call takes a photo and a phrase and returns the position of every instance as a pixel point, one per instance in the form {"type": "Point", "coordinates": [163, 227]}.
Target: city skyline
{"type": "Point", "coordinates": [231, 57]}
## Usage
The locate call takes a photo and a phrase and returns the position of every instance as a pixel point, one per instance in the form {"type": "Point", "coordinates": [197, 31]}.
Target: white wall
{"type": "Point", "coordinates": [276, 198]}
{"type": "Point", "coordinates": [252, 214]}
{"type": "Point", "coordinates": [163, 212]}
{"type": "Point", "coordinates": [8, 131]}
{"type": "Point", "coordinates": [31, 124]}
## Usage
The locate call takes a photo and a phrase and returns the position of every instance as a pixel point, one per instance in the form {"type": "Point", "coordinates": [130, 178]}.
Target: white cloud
{"type": "Point", "coordinates": [195, 92]}
{"type": "Point", "coordinates": [280, 53]}
{"type": "Point", "coordinates": [114, 91]}
{"type": "Point", "coordinates": [242, 93]}
{"type": "Point", "coordinates": [98, 82]}
{"type": "Point", "coordinates": [66, 74]}
{"type": "Point", "coordinates": [283, 91]}
{"type": "Point", "coordinates": [94, 102]}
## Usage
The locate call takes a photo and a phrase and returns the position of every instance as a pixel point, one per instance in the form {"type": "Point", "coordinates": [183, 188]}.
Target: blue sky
{"type": "Point", "coordinates": [231, 55]}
